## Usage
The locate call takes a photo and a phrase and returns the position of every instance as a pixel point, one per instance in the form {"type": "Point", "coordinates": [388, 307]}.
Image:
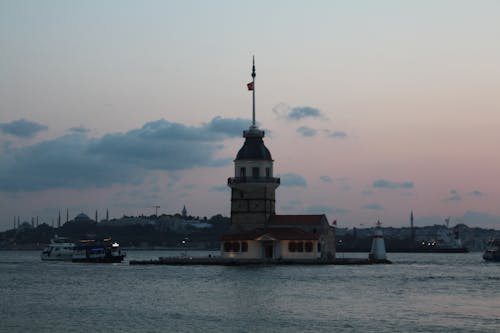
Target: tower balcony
{"type": "Point", "coordinates": [241, 180]}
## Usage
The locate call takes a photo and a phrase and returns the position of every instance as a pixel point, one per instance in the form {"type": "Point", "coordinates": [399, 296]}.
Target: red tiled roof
{"type": "Point", "coordinates": [298, 219]}
{"type": "Point", "coordinates": [244, 235]}
{"type": "Point", "coordinates": [276, 233]}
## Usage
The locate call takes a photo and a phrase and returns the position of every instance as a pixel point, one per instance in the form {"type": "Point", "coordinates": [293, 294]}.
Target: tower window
{"type": "Point", "coordinates": [243, 172]}
{"type": "Point", "coordinates": [268, 172]}
{"type": "Point", "coordinates": [255, 172]}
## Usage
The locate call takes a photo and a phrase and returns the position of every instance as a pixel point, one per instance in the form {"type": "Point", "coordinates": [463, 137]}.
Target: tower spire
{"type": "Point", "coordinates": [253, 91]}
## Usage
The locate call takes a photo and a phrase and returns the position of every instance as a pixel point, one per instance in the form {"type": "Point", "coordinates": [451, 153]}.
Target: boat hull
{"type": "Point", "coordinates": [56, 258]}
{"type": "Point", "coordinates": [489, 256]}
{"type": "Point", "coordinates": [442, 250]}
{"type": "Point", "coordinates": [103, 260]}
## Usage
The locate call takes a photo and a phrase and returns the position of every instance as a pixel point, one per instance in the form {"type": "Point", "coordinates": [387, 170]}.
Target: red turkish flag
{"type": "Point", "coordinates": [250, 86]}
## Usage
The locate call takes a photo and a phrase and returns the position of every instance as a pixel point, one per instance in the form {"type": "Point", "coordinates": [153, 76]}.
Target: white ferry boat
{"type": "Point", "coordinates": [60, 248]}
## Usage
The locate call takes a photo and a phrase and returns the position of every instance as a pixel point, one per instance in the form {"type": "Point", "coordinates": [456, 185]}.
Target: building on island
{"type": "Point", "coordinates": [257, 232]}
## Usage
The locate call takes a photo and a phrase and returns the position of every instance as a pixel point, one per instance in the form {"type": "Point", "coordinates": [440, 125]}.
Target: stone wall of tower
{"type": "Point", "coordinates": [252, 203]}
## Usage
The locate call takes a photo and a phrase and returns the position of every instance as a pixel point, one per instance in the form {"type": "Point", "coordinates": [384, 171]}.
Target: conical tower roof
{"type": "Point", "coordinates": [254, 148]}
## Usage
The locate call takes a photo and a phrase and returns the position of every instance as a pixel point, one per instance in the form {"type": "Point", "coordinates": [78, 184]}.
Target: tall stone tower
{"type": "Point", "coordinates": [253, 186]}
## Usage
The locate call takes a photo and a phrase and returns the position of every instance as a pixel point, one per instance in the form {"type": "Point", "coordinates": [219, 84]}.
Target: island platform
{"type": "Point", "coordinates": [219, 261]}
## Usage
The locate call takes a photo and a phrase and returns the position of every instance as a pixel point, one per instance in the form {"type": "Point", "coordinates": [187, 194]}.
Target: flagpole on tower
{"type": "Point", "coordinates": [253, 91]}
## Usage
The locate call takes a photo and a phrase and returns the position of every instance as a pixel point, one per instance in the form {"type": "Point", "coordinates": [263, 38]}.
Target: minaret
{"type": "Point", "coordinates": [412, 231]}
{"type": "Point", "coordinates": [253, 186]}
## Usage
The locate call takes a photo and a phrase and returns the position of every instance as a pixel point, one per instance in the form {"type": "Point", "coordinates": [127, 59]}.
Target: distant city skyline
{"type": "Point", "coordinates": [371, 109]}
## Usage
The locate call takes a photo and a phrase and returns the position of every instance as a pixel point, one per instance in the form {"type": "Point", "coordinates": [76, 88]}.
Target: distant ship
{"type": "Point", "coordinates": [492, 252]}
{"type": "Point", "coordinates": [445, 241]}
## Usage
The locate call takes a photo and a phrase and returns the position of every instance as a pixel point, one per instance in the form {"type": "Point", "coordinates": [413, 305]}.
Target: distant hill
{"type": "Point", "coordinates": [169, 231]}
{"type": "Point", "coordinates": [131, 232]}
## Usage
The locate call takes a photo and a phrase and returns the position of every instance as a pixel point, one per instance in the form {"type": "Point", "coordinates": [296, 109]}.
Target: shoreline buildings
{"type": "Point", "coordinates": [257, 232]}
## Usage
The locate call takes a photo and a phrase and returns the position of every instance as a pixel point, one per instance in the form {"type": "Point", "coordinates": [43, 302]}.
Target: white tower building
{"type": "Point", "coordinates": [378, 245]}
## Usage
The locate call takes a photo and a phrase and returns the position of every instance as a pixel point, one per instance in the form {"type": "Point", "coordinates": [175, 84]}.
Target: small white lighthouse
{"type": "Point", "coordinates": [378, 245]}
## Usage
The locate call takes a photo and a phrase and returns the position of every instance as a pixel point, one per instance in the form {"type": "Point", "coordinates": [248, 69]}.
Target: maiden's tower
{"type": "Point", "coordinates": [257, 232]}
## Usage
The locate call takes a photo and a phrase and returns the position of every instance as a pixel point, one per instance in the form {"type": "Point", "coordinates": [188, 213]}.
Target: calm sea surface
{"type": "Point", "coordinates": [418, 293]}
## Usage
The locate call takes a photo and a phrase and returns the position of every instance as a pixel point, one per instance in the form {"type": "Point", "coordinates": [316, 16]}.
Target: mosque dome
{"type": "Point", "coordinates": [82, 217]}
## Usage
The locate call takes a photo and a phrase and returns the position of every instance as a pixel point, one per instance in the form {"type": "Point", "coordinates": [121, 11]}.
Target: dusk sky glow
{"type": "Point", "coordinates": [371, 108]}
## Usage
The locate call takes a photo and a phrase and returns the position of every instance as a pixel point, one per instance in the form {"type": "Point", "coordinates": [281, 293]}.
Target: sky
{"type": "Point", "coordinates": [372, 109]}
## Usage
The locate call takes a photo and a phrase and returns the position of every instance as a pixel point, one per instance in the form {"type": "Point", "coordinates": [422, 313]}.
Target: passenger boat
{"type": "Point", "coordinates": [492, 252]}
{"type": "Point", "coordinates": [98, 251]}
{"type": "Point", "coordinates": [60, 248]}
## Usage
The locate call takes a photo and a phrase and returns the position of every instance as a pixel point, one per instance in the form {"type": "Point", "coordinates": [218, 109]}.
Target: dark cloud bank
{"type": "Point", "coordinates": [292, 179]}
{"type": "Point", "coordinates": [22, 128]}
{"type": "Point", "coordinates": [384, 183]}
{"type": "Point", "coordinates": [78, 161]}
{"type": "Point", "coordinates": [297, 113]}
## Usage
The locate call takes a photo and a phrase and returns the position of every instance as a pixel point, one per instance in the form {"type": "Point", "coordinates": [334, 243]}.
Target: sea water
{"type": "Point", "coordinates": [417, 293]}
